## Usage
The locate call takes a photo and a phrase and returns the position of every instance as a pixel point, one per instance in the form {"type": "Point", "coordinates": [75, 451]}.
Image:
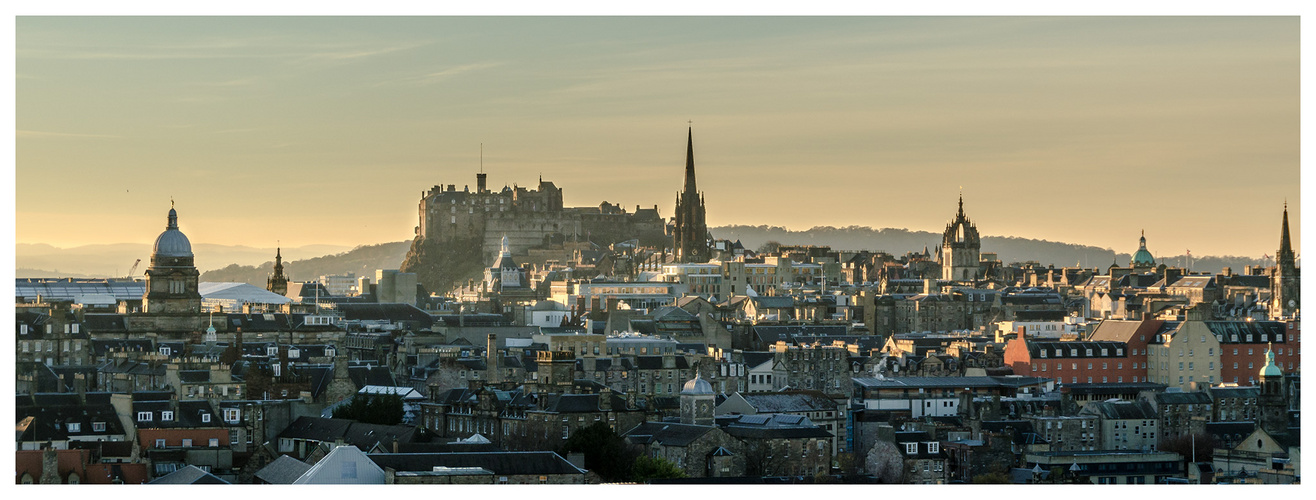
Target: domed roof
{"type": "Point", "coordinates": [697, 387]}
{"type": "Point", "coordinates": [172, 242]}
{"type": "Point", "coordinates": [1270, 370]}
{"type": "Point", "coordinates": [1142, 258]}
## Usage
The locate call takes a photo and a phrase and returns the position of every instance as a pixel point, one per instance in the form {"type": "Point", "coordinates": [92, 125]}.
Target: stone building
{"type": "Point", "coordinates": [1285, 289]}
{"type": "Point", "coordinates": [172, 279]}
{"type": "Point", "coordinates": [690, 239]}
{"type": "Point", "coordinates": [960, 248]}
{"type": "Point", "coordinates": [277, 282]}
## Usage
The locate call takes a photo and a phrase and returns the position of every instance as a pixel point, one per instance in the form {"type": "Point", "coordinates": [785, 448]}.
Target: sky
{"type": "Point", "coordinates": [323, 130]}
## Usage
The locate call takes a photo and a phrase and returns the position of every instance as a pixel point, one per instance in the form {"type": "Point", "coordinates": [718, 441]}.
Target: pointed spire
{"type": "Point", "coordinates": [1285, 244]}
{"type": "Point", "coordinates": [961, 212]}
{"type": "Point", "coordinates": [690, 162]}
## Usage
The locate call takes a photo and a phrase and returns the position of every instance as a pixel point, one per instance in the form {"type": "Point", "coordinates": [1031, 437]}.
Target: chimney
{"type": "Point", "coordinates": [49, 465]}
{"type": "Point", "coordinates": [480, 182]}
{"type": "Point", "coordinates": [491, 359]}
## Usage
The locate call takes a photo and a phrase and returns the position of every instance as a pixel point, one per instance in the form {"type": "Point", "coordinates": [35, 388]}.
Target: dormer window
{"type": "Point", "coordinates": [934, 447]}
{"type": "Point", "coordinates": [205, 418]}
{"type": "Point", "coordinates": [911, 448]}
{"type": "Point", "coordinates": [165, 350]}
{"type": "Point", "coordinates": [1043, 352]}
{"type": "Point", "coordinates": [1089, 351]}
{"type": "Point", "coordinates": [98, 426]}
{"type": "Point", "coordinates": [232, 415]}
{"type": "Point", "coordinates": [75, 427]}
{"type": "Point", "coordinates": [272, 351]}
{"type": "Point", "coordinates": [144, 416]}
{"type": "Point", "coordinates": [166, 416]}
{"type": "Point", "coordinates": [293, 353]}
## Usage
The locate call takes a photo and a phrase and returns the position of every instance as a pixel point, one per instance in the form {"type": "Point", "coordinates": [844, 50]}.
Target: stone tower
{"type": "Point", "coordinates": [1284, 287]}
{"type": "Point", "coordinates": [960, 249]}
{"type": "Point", "coordinates": [690, 239]}
{"type": "Point", "coordinates": [278, 283]}
{"type": "Point", "coordinates": [697, 401]}
{"type": "Point", "coordinates": [171, 281]}
{"type": "Point", "coordinates": [1272, 406]}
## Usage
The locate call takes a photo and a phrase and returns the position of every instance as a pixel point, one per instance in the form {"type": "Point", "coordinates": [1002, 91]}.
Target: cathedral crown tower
{"type": "Point", "coordinates": [278, 283]}
{"type": "Point", "coordinates": [960, 249]}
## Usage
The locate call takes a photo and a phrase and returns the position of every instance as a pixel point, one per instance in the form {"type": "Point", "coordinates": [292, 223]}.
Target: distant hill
{"type": "Point", "coordinates": [362, 261]}
{"type": "Point", "coordinates": [112, 260]}
{"type": "Point", "coordinates": [1008, 249]}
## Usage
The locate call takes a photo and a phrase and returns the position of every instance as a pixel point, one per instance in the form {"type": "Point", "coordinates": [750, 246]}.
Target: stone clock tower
{"type": "Point", "coordinates": [697, 401]}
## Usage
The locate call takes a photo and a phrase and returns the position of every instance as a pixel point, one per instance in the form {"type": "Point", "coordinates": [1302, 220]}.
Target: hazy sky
{"type": "Point", "coordinates": [326, 130]}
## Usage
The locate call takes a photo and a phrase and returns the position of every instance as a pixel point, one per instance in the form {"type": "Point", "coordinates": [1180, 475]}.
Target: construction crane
{"type": "Point", "coordinates": [134, 268]}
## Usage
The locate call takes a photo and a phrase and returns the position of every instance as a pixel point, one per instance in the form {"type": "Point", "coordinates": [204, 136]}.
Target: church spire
{"type": "Point", "coordinates": [690, 162]}
{"type": "Point", "coordinates": [1285, 244]}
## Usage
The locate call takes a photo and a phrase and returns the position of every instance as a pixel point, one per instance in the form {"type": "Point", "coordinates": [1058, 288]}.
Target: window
{"type": "Point", "coordinates": [143, 416]}
{"type": "Point", "coordinates": [911, 448]}
{"type": "Point", "coordinates": [74, 427]}
{"type": "Point", "coordinates": [205, 418]}
{"type": "Point", "coordinates": [166, 416]}
{"type": "Point", "coordinates": [214, 442]}
{"type": "Point", "coordinates": [98, 426]}
{"type": "Point", "coordinates": [159, 443]}
{"type": "Point", "coordinates": [933, 447]}
{"type": "Point", "coordinates": [187, 443]}
{"type": "Point", "coordinates": [232, 415]}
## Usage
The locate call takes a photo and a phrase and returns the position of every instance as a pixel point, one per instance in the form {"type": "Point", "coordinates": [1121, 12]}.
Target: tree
{"type": "Point", "coordinates": [384, 409]}
{"type": "Point", "coordinates": [605, 452]}
{"type": "Point", "coordinates": [885, 462]}
{"type": "Point", "coordinates": [769, 247]}
{"type": "Point", "coordinates": [991, 478]}
{"type": "Point", "coordinates": [646, 468]}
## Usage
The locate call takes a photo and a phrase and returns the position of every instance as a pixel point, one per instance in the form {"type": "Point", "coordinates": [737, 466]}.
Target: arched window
{"type": "Point", "coordinates": [73, 478]}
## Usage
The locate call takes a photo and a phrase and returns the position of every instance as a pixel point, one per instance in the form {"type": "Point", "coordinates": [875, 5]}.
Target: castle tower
{"type": "Point", "coordinates": [278, 283]}
{"type": "Point", "coordinates": [960, 249]}
{"type": "Point", "coordinates": [1284, 287]}
{"type": "Point", "coordinates": [1273, 415]}
{"type": "Point", "coordinates": [697, 402]}
{"type": "Point", "coordinates": [1142, 259]}
{"type": "Point", "coordinates": [171, 281]}
{"type": "Point", "coordinates": [690, 239]}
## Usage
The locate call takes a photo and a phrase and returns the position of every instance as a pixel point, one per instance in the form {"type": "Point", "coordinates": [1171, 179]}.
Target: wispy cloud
{"type": "Point", "coordinates": [37, 134]}
{"type": "Point", "coordinates": [438, 76]}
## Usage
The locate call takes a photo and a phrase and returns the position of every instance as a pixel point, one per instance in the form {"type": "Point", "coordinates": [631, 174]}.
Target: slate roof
{"type": "Point", "coordinates": [503, 463]}
{"type": "Point", "coordinates": [283, 470]}
{"type": "Point", "coordinates": [773, 426]}
{"type": "Point", "coordinates": [1076, 349]}
{"type": "Point", "coordinates": [1120, 410]}
{"type": "Point", "coordinates": [1182, 398]}
{"type": "Point", "coordinates": [938, 382]}
{"type": "Point", "coordinates": [792, 401]}
{"type": "Point", "coordinates": [396, 313]}
{"type": "Point", "coordinates": [1245, 392]}
{"type": "Point", "coordinates": [189, 475]}
{"type": "Point", "coordinates": [666, 433]}
{"type": "Point", "coordinates": [1236, 332]}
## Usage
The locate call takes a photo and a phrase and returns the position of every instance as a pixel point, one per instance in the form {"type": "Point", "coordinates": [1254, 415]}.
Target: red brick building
{"type": "Point", "coordinates": [1135, 334]}
{"type": "Point", "coordinates": [1078, 362]}
{"type": "Point", "coordinates": [1243, 347]}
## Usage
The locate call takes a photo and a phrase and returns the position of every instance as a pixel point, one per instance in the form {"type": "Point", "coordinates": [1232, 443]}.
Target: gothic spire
{"type": "Point", "coordinates": [961, 212]}
{"type": "Point", "coordinates": [690, 162]}
{"type": "Point", "coordinates": [1285, 244]}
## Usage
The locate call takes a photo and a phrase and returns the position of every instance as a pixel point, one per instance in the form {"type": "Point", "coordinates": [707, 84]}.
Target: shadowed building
{"type": "Point", "coordinates": [690, 239]}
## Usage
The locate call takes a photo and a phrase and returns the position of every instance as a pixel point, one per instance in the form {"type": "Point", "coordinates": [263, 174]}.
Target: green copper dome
{"type": "Point", "coordinates": [1142, 258]}
{"type": "Point", "coordinates": [1270, 370]}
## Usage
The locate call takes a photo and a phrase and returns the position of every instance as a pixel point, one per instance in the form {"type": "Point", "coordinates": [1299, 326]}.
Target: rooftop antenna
{"type": "Point", "coordinates": [482, 157]}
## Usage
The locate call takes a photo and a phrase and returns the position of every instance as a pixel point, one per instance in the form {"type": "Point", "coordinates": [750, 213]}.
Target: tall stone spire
{"type": "Point", "coordinates": [1285, 290]}
{"type": "Point", "coordinates": [1285, 253]}
{"type": "Point", "coordinates": [690, 239]}
{"type": "Point", "coordinates": [277, 283]}
{"type": "Point", "coordinates": [690, 161]}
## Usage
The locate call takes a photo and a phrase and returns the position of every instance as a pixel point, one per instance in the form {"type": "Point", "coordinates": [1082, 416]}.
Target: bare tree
{"type": "Point", "coordinates": [885, 462]}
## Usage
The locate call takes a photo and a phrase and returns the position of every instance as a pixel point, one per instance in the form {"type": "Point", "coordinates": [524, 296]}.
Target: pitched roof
{"type": "Point", "coordinates": [508, 463]}
{"type": "Point", "coordinates": [666, 433]}
{"type": "Point", "coordinates": [189, 474]}
{"type": "Point", "coordinates": [792, 401]}
{"type": "Point", "coordinates": [283, 470]}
